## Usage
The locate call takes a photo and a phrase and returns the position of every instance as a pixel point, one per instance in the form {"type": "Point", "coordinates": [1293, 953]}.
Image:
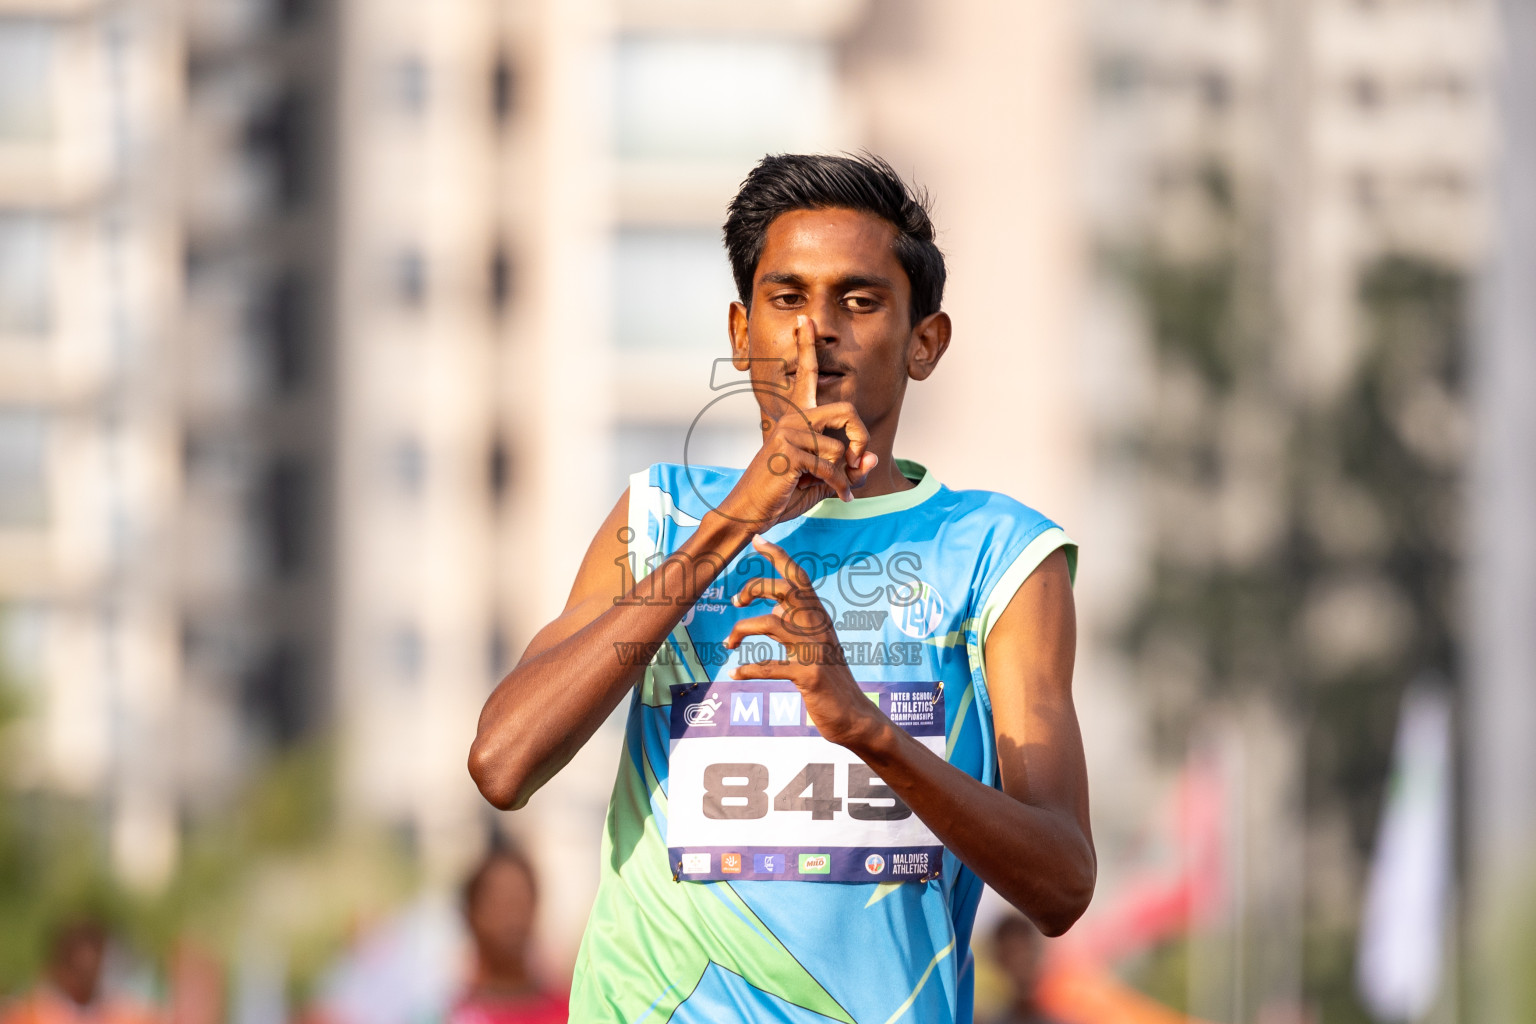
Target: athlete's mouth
{"type": "Point", "coordinates": [824, 375]}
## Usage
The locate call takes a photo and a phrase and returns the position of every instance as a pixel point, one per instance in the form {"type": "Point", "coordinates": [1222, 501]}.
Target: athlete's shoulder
{"type": "Point", "coordinates": [690, 489]}
{"type": "Point", "coordinates": [992, 509]}
{"type": "Point", "coordinates": [1005, 537]}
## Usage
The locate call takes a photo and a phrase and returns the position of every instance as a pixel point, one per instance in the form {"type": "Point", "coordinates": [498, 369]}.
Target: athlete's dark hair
{"type": "Point", "coordinates": [788, 181]}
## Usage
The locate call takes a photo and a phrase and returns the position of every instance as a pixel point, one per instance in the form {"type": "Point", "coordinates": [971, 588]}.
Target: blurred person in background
{"type": "Point", "coordinates": [500, 898]}
{"type": "Point", "coordinates": [197, 991]}
{"type": "Point", "coordinates": [71, 991]}
{"type": "Point", "coordinates": [1019, 947]}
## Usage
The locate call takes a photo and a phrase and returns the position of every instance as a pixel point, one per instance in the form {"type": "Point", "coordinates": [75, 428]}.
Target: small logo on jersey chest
{"type": "Point", "coordinates": [712, 601]}
{"type": "Point", "coordinates": [918, 612]}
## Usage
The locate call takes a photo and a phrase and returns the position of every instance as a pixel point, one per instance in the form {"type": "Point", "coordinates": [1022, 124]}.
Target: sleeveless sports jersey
{"type": "Point", "coordinates": [745, 899]}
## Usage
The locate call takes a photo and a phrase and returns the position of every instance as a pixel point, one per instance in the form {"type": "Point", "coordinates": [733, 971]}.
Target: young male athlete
{"type": "Point", "coordinates": [850, 686]}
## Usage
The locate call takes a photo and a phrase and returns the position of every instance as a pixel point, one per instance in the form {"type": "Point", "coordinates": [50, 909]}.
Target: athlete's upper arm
{"type": "Point", "coordinates": [1029, 658]}
{"type": "Point", "coordinates": [599, 581]}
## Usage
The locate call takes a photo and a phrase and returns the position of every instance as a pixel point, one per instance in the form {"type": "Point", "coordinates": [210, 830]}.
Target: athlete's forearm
{"type": "Point", "coordinates": [547, 707]}
{"type": "Point", "coordinates": [1037, 858]}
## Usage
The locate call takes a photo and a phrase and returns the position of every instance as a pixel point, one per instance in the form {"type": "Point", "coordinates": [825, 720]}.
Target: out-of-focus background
{"type": "Point", "coordinates": [329, 330]}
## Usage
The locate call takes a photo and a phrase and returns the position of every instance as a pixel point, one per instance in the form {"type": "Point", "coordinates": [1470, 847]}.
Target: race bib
{"type": "Point", "coordinates": [755, 792]}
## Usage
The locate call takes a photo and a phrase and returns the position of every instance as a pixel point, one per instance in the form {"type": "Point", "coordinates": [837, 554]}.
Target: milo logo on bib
{"type": "Point", "coordinates": [815, 864]}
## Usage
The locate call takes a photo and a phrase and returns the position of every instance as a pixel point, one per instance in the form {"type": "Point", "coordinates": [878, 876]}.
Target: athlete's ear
{"type": "Point", "coordinates": [929, 340]}
{"type": "Point", "coordinates": [737, 325]}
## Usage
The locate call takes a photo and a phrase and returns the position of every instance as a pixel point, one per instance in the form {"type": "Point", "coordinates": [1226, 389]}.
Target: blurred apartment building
{"type": "Point", "coordinates": [1352, 128]}
{"type": "Point", "coordinates": [165, 412]}
{"type": "Point", "coordinates": [1287, 151]}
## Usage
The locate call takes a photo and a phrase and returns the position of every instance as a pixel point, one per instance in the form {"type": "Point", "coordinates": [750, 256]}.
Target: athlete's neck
{"type": "Point", "coordinates": [885, 478]}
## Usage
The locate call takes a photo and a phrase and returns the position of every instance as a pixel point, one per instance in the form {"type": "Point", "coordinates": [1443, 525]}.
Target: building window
{"type": "Point", "coordinates": [24, 641]}
{"type": "Point", "coordinates": [692, 97]}
{"type": "Point", "coordinates": [408, 84]}
{"type": "Point", "coordinates": [1366, 92]}
{"type": "Point", "coordinates": [286, 514]}
{"type": "Point", "coordinates": [26, 93]}
{"type": "Point", "coordinates": [1215, 91]}
{"type": "Point", "coordinates": [277, 695]}
{"type": "Point", "coordinates": [1167, 179]}
{"type": "Point", "coordinates": [499, 469]}
{"type": "Point", "coordinates": [1367, 188]}
{"type": "Point", "coordinates": [1446, 85]}
{"type": "Point", "coordinates": [500, 277]}
{"type": "Point", "coordinates": [1447, 182]}
{"type": "Point", "coordinates": [278, 137]}
{"type": "Point", "coordinates": [23, 467]}
{"type": "Point", "coordinates": [408, 465]}
{"type": "Point", "coordinates": [498, 653]}
{"type": "Point", "coordinates": [292, 13]}
{"type": "Point", "coordinates": [407, 652]}
{"type": "Point", "coordinates": [1117, 76]}
{"type": "Point", "coordinates": [503, 89]}
{"type": "Point", "coordinates": [672, 289]}
{"type": "Point", "coordinates": [216, 459]}
{"type": "Point", "coordinates": [283, 322]}
{"type": "Point", "coordinates": [411, 277]}
{"type": "Point", "coordinates": [26, 278]}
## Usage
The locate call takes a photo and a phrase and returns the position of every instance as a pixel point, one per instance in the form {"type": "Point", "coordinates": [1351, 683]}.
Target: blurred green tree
{"type": "Point", "coordinates": [282, 834]}
{"type": "Point", "coordinates": [1307, 539]}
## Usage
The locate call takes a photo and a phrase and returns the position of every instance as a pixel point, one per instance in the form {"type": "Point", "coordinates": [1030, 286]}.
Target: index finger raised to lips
{"type": "Point", "coordinates": [805, 363]}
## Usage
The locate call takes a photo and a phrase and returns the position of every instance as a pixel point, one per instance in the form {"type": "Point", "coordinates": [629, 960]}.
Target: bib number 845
{"type": "Point", "coordinates": [741, 791]}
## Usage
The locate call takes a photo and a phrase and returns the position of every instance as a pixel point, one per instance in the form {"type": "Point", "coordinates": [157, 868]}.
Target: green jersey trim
{"type": "Point", "coordinates": [641, 903]}
{"type": "Point", "coordinates": [901, 1011]}
{"type": "Point", "coordinates": [1007, 585]}
{"type": "Point", "coordinates": [882, 504]}
{"type": "Point", "coordinates": [1013, 578]}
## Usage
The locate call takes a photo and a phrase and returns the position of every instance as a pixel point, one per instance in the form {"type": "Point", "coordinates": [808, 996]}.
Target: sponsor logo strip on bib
{"type": "Point", "coordinates": [755, 792]}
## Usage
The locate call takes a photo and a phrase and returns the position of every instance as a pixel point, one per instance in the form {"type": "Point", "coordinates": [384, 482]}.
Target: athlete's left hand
{"type": "Point", "coordinates": [815, 662]}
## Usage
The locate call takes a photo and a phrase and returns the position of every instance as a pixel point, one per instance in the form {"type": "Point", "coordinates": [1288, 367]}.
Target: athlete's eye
{"type": "Point", "coordinates": [860, 303]}
{"type": "Point", "coordinates": [787, 300]}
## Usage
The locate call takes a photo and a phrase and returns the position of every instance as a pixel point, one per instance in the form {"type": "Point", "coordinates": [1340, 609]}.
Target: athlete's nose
{"type": "Point", "coordinates": [828, 315]}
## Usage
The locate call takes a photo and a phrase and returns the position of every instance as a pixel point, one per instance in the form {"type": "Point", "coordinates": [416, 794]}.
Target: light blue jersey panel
{"type": "Point", "coordinates": [915, 580]}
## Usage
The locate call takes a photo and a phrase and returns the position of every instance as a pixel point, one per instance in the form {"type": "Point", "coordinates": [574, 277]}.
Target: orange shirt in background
{"type": "Point", "coordinates": [47, 1006]}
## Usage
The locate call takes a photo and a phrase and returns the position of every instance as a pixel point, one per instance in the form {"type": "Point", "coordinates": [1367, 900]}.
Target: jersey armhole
{"type": "Point", "coordinates": [1003, 591]}
{"type": "Point", "coordinates": [642, 507]}
{"type": "Point", "coordinates": [651, 506]}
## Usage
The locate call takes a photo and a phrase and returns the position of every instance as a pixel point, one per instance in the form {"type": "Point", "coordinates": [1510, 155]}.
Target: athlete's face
{"type": "Point", "coordinates": [839, 268]}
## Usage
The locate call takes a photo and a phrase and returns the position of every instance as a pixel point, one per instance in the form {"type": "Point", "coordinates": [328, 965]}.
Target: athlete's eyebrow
{"type": "Point", "coordinates": [862, 281]}
{"type": "Point", "coordinates": [780, 277]}
{"type": "Point", "coordinates": [842, 284]}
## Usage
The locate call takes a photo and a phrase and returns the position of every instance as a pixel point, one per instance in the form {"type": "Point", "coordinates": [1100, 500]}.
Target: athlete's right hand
{"type": "Point", "coordinates": [799, 465]}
